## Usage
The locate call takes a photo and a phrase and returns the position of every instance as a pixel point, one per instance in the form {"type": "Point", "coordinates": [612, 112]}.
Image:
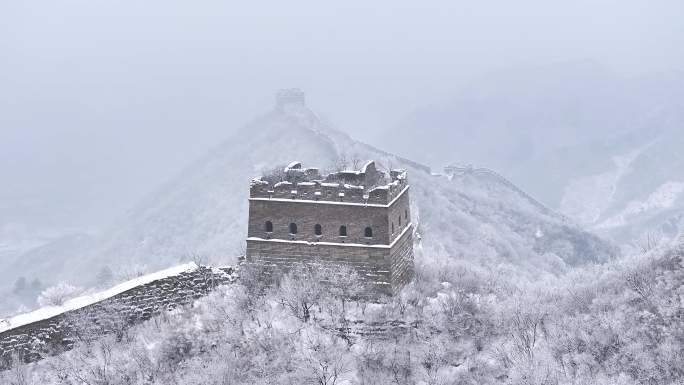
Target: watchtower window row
{"type": "Point", "coordinates": [400, 220]}
{"type": "Point", "coordinates": [318, 229]}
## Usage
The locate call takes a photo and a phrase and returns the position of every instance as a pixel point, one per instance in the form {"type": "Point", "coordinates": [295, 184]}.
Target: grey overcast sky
{"type": "Point", "coordinates": [101, 100]}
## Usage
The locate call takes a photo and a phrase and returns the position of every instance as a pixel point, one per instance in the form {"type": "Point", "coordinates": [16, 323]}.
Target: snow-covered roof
{"type": "Point", "coordinates": [86, 300]}
{"type": "Point", "coordinates": [306, 184]}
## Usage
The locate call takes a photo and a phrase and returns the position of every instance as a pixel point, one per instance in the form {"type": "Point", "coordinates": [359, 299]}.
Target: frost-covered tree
{"type": "Point", "coordinates": [105, 276]}
{"type": "Point", "coordinates": [58, 294]}
{"type": "Point", "coordinates": [301, 289]}
{"type": "Point", "coordinates": [19, 285]}
{"type": "Point", "coordinates": [615, 323]}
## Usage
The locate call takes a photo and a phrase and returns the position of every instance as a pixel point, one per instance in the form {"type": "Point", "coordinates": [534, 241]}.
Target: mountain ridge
{"type": "Point", "coordinates": [203, 211]}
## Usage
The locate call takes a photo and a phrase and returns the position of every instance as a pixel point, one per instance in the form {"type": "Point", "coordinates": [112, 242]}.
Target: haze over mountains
{"type": "Point", "coordinates": [600, 148]}
{"type": "Point", "coordinates": [476, 218]}
{"type": "Point", "coordinates": [619, 177]}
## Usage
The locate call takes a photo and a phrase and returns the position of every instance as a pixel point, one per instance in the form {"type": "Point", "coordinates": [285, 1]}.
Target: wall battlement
{"type": "Point", "coordinates": [364, 186]}
{"type": "Point", "coordinates": [34, 336]}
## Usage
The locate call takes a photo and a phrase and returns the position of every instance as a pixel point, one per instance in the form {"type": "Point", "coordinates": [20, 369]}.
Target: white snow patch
{"type": "Point", "coordinates": [585, 199]}
{"type": "Point", "coordinates": [365, 166]}
{"type": "Point", "coordinates": [258, 182]}
{"type": "Point", "coordinates": [283, 183]}
{"type": "Point", "coordinates": [351, 187]}
{"type": "Point", "coordinates": [331, 202]}
{"type": "Point", "coordinates": [350, 172]}
{"type": "Point", "coordinates": [663, 197]}
{"type": "Point", "coordinates": [296, 165]}
{"type": "Point", "coordinates": [83, 301]}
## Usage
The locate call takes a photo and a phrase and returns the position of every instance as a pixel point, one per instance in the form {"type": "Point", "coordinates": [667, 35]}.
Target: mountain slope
{"type": "Point", "coordinates": [204, 210]}
{"type": "Point", "coordinates": [602, 149]}
{"type": "Point", "coordinates": [639, 188]}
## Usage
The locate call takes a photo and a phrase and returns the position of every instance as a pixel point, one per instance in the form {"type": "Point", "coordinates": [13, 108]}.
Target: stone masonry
{"type": "Point", "coordinates": [358, 218]}
{"type": "Point", "coordinates": [36, 340]}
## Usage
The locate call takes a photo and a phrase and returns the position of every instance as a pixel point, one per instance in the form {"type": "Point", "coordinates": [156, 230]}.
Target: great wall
{"type": "Point", "coordinates": [357, 218]}
{"type": "Point", "coordinates": [31, 338]}
{"type": "Point", "coordinates": [464, 170]}
{"type": "Point", "coordinates": [49, 331]}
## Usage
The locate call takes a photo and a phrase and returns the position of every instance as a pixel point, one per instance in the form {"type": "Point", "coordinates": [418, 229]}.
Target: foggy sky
{"type": "Point", "coordinates": [101, 101]}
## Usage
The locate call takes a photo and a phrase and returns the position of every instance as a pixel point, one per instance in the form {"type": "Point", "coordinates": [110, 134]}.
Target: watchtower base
{"type": "Point", "coordinates": [384, 269]}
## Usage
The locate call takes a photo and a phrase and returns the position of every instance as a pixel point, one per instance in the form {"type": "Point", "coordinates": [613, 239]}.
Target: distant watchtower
{"type": "Point", "coordinates": [289, 97]}
{"type": "Point", "coordinates": [359, 218]}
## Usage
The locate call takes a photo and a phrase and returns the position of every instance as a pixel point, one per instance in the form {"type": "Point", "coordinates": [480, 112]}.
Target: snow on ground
{"type": "Point", "coordinates": [586, 198]}
{"type": "Point", "coordinates": [83, 301]}
{"type": "Point", "coordinates": [663, 197]}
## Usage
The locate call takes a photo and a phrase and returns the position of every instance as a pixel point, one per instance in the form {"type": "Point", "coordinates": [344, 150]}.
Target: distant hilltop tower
{"type": "Point", "coordinates": [359, 218]}
{"type": "Point", "coordinates": [290, 97]}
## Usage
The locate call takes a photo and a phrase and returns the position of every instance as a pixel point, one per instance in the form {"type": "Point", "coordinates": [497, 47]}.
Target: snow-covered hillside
{"type": "Point", "coordinates": [204, 211]}
{"type": "Point", "coordinates": [505, 119]}
{"type": "Point", "coordinates": [602, 149]}
{"type": "Point", "coordinates": [635, 185]}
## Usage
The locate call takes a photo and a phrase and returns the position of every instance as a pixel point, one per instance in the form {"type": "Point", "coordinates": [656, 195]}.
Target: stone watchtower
{"type": "Point", "coordinates": [290, 96]}
{"type": "Point", "coordinates": [358, 218]}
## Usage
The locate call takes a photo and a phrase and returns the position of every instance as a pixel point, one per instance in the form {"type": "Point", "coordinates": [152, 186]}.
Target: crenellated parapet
{"type": "Point", "coordinates": [364, 186]}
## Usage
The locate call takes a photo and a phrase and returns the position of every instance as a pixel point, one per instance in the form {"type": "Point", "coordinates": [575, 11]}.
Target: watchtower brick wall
{"type": "Point", "coordinates": [358, 218]}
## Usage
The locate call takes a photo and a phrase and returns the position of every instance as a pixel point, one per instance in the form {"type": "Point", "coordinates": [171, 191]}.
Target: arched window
{"type": "Point", "coordinates": [293, 228]}
{"type": "Point", "coordinates": [318, 230]}
{"type": "Point", "coordinates": [392, 227]}
{"type": "Point", "coordinates": [406, 215]}
{"type": "Point", "coordinates": [368, 232]}
{"type": "Point", "coordinates": [399, 220]}
{"type": "Point", "coordinates": [268, 226]}
{"type": "Point", "coordinates": [343, 231]}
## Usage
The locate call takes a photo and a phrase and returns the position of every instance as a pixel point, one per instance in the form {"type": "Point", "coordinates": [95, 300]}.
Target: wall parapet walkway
{"type": "Point", "coordinates": [34, 339]}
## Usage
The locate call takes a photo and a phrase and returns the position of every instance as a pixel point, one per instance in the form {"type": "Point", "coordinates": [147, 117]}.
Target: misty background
{"type": "Point", "coordinates": [101, 102]}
